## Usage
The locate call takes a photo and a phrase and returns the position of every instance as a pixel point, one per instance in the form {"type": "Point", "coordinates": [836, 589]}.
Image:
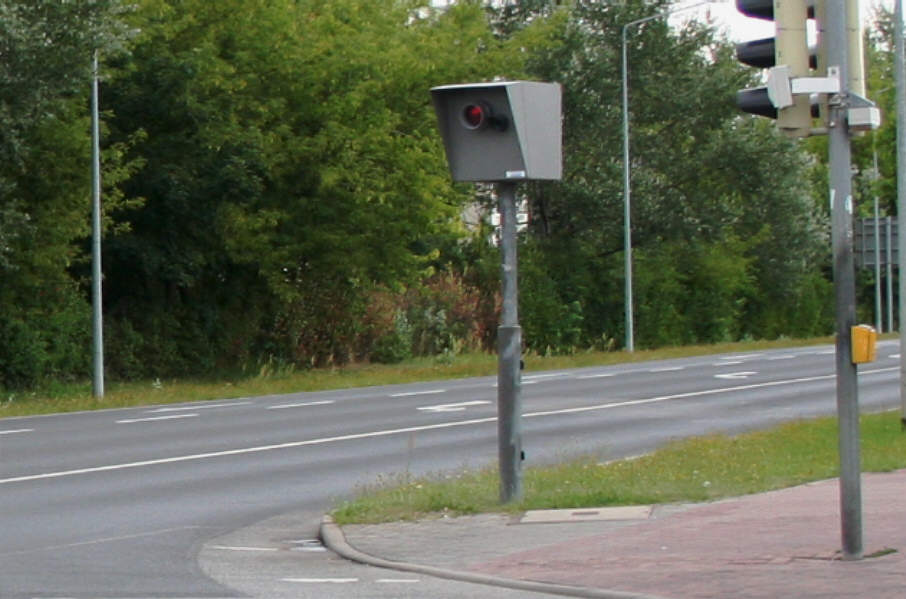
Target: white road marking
{"type": "Point", "coordinates": [453, 407]}
{"type": "Point", "coordinates": [894, 356]}
{"type": "Point", "coordinates": [536, 377]}
{"type": "Point", "coordinates": [300, 405]}
{"type": "Point", "coordinates": [397, 580]}
{"type": "Point", "coordinates": [192, 408]}
{"type": "Point", "coordinates": [597, 376]}
{"type": "Point", "coordinates": [17, 431]}
{"type": "Point", "coordinates": [225, 548]}
{"type": "Point", "coordinates": [321, 580]}
{"type": "Point", "coordinates": [413, 393]}
{"type": "Point", "coordinates": [733, 363]}
{"type": "Point", "coordinates": [156, 418]}
{"type": "Point", "coordinates": [150, 533]}
{"type": "Point", "coordinates": [782, 357]}
{"type": "Point", "coordinates": [743, 357]}
{"type": "Point", "coordinates": [412, 429]}
{"type": "Point", "coordinates": [638, 402]}
{"type": "Point", "coordinates": [667, 369]}
{"type": "Point", "coordinates": [732, 376]}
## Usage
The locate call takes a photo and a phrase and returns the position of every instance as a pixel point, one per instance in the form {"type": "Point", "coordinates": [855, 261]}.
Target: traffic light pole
{"type": "Point", "coordinates": [900, 79]}
{"type": "Point", "coordinates": [839, 157]}
{"type": "Point", "coordinates": [509, 346]}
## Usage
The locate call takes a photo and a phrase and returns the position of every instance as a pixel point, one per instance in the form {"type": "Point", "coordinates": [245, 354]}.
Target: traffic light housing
{"type": "Point", "coordinates": [501, 131]}
{"type": "Point", "coordinates": [789, 47]}
{"type": "Point", "coordinates": [794, 95]}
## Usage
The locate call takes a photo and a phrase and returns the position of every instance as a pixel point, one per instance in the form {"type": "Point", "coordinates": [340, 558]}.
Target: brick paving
{"type": "Point", "coordinates": [778, 544]}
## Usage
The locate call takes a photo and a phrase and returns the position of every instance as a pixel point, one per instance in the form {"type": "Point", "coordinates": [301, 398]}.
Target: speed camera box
{"type": "Point", "coordinates": [501, 131]}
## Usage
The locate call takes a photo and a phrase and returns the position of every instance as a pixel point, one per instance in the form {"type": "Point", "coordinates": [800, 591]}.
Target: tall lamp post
{"type": "Point", "coordinates": [627, 218]}
{"type": "Point", "coordinates": [97, 312]}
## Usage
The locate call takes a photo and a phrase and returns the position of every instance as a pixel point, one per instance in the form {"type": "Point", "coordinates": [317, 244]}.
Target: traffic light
{"type": "Point", "coordinates": [800, 80]}
{"type": "Point", "coordinates": [789, 48]}
{"type": "Point", "coordinates": [501, 131]}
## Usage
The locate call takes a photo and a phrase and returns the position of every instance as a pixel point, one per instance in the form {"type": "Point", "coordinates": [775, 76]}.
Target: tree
{"type": "Point", "coordinates": [713, 191]}
{"type": "Point", "coordinates": [45, 179]}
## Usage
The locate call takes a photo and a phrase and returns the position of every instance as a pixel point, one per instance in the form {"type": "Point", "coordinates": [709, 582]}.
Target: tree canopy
{"type": "Point", "coordinates": [276, 194]}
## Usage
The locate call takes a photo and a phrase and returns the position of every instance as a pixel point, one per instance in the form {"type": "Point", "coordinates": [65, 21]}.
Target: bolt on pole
{"type": "Point", "coordinates": [840, 162]}
{"type": "Point", "coordinates": [509, 344]}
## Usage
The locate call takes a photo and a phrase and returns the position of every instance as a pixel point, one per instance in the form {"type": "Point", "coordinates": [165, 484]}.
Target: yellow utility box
{"type": "Point", "coordinates": [864, 342]}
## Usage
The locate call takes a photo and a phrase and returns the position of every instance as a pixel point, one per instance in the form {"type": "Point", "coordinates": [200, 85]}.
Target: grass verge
{"type": "Point", "coordinates": [699, 469]}
{"type": "Point", "coordinates": [57, 397]}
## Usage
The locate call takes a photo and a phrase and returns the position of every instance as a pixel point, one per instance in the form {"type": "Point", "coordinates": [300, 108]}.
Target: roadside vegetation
{"type": "Point", "coordinates": [693, 470]}
{"type": "Point", "coordinates": [53, 397]}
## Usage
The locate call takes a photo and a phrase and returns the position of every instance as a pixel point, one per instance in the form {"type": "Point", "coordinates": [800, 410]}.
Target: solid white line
{"type": "Point", "coordinates": [17, 431]}
{"type": "Point", "coordinates": [412, 429]}
{"type": "Point", "coordinates": [156, 418]}
{"type": "Point", "coordinates": [247, 450]}
{"type": "Point", "coordinates": [413, 393]}
{"type": "Point", "coordinates": [194, 407]}
{"type": "Point", "coordinates": [300, 405]}
{"type": "Point", "coordinates": [321, 580]}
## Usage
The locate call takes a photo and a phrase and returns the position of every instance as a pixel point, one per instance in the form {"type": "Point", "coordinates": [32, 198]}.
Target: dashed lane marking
{"type": "Point", "coordinates": [321, 580]}
{"type": "Point", "coordinates": [414, 393]}
{"type": "Point", "coordinates": [156, 418]}
{"type": "Point", "coordinates": [734, 376]}
{"type": "Point", "coordinates": [300, 405]}
{"type": "Point", "coordinates": [453, 407]}
{"type": "Point", "coordinates": [194, 407]}
{"type": "Point", "coordinates": [17, 431]}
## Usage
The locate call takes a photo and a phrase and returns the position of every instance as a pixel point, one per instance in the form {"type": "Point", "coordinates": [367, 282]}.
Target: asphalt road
{"type": "Point", "coordinates": [121, 503]}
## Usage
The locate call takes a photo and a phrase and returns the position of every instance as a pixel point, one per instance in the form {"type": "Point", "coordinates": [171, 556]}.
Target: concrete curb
{"type": "Point", "coordinates": [333, 538]}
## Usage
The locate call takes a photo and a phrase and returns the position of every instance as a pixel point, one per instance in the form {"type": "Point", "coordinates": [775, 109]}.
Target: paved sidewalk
{"type": "Point", "coordinates": [779, 544]}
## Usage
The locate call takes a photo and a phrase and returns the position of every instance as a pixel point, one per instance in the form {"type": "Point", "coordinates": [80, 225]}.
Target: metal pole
{"type": "Point", "coordinates": [97, 313]}
{"type": "Point", "coordinates": [627, 219]}
{"type": "Point", "coordinates": [509, 347]}
{"type": "Point", "coordinates": [888, 223]}
{"type": "Point", "coordinates": [878, 323]}
{"type": "Point", "coordinates": [840, 162]}
{"type": "Point", "coordinates": [627, 225]}
{"type": "Point", "coordinates": [901, 191]}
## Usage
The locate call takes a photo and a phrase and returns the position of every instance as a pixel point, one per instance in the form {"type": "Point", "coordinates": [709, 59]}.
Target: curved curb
{"type": "Point", "coordinates": [333, 538]}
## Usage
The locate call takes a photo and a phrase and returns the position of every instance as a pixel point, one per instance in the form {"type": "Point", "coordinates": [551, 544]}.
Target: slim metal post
{"type": "Point", "coordinates": [888, 224]}
{"type": "Point", "coordinates": [509, 346]}
{"type": "Point", "coordinates": [879, 320]}
{"type": "Point", "coordinates": [900, 80]}
{"type": "Point", "coordinates": [97, 313]}
{"type": "Point", "coordinates": [627, 213]}
{"type": "Point", "coordinates": [840, 162]}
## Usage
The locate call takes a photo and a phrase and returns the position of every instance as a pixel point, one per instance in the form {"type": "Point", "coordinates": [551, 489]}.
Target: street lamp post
{"type": "Point", "coordinates": [627, 218]}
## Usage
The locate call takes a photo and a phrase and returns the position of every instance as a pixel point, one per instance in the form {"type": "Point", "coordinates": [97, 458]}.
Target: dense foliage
{"type": "Point", "coordinates": [276, 195]}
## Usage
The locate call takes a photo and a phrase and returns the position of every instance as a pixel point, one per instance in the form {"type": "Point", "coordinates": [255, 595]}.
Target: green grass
{"type": "Point", "coordinates": [57, 397]}
{"type": "Point", "coordinates": [699, 469]}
